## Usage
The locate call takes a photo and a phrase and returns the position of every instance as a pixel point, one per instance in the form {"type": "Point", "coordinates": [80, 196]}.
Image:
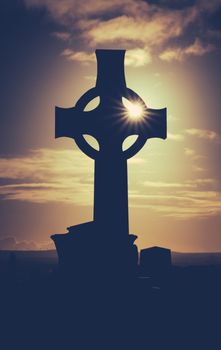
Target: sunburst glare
{"type": "Point", "coordinates": [134, 110]}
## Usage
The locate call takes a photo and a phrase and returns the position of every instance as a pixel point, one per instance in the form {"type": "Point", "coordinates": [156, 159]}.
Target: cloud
{"type": "Point", "coordinates": [48, 176]}
{"type": "Point", "coordinates": [80, 56]}
{"type": "Point", "coordinates": [194, 156]}
{"type": "Point", "coordinates": [182, 203]}
{"type": "Point", "coordinates": [198, 168]}
{"type": "Point", "coordinates": [135, 57]}
{"type": "Point", "coordinates": [66, 176]}
{"type": "Point", "coordinates": [185, 184]}
{"type": "Point", "coordinates": [146, 28]}
{"type": "Point", "coordinates": [204, 134]}
{"type": "Point", "coordinates": [150, 29]}
{"type": "Point", "coordinates": [65, 36]}
{"type": "Point", "coordinates": [158, 184]}
{"type": "Point", "coordinates": [209, 6]}
{"type": "Point", "coordinates": [181, 53]}
{"type": "Point", "coordinates": [189, 152]}
{"type": "Point", "coordinates": [11, 243]}
{"type": "Point", "coordinates": [65, 11]}
{"type": "Point", "coordinates": [175, 137]}
{"type": "Point", "coordinates": [195, 198]}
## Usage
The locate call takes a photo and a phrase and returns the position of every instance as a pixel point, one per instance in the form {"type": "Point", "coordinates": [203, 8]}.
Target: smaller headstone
{"type": "Point", "coordinates": [155, 261]}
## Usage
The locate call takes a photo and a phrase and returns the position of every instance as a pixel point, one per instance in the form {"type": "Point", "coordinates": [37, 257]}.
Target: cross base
{"type": "Point", "coordinates": [84, 253]}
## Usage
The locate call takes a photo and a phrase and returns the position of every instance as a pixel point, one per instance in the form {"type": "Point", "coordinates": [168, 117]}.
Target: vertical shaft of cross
{"type": "Point", "coordinates": [110, 181]}
{"type": "Point", "coordinates": [111, 195]}
{"type": "Point", "coordinates": [110, 72]}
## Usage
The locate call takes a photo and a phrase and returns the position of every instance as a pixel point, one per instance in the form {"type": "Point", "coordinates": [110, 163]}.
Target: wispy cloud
{"type": "Point", "coordinates": [65, 36]}
{"type": "Point", "coordinates": [80, 56]}
{"type": "Point", "coordinates": [133, 24]}
{"type": "Point", "coordinates": [204, 134]}
{"type": "Point", "coordinates": [47, 176]}
{"type": "Point", "coordinates": [175, 137]}
{"type": "Point", "coordinates": [66, 176]}
{"type": "Point", "coordinates": [136, 57]}
{"type": "Point", "coordinates": [196, 198]}
{"type": "Point", "coordinates": [181, 53]}
{"type": "Point", "coordinates": [181, 204]}
{"type": "Point", "coordinates": [149, 28]}
{"type": "Point", "coordinates": [197, 183]}
{"type": "Point", "coordinates": [11, 243]}
{"type": "Point", "coordinates": [189, 152]}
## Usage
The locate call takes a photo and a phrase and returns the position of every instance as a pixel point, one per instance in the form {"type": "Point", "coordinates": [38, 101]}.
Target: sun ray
{"type": "Point", "coordinates": [134, 110]}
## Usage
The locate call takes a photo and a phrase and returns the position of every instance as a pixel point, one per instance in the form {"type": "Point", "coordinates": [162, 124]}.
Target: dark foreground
{"type": "Point", "coordinates": [40, 309]}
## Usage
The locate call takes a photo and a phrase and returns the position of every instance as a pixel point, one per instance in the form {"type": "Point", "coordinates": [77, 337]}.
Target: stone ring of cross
{"type": "Point", "coordinates": [109, 123]}
{"type": "Point", "coordinates": [81, 142]}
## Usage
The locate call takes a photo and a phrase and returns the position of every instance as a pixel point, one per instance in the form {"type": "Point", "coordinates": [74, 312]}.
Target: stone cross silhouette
{"type": "Point", "coordinates": [110, 125]}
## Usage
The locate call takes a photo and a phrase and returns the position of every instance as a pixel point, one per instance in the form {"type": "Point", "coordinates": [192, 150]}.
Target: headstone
{"type": "Point", "coordinates": [155, 261]}
{"type": "Point", "coordinates": [105, 244]}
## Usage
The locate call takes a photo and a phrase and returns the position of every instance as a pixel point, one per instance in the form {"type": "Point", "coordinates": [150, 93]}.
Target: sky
{"type": "Point", "coordinates": [173, 60]}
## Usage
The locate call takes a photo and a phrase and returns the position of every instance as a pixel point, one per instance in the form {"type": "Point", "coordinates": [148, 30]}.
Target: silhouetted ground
{"type": "Point", "coordinates": [41, 310]}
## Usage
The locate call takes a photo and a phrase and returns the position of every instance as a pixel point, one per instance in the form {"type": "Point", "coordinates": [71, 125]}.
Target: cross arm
{"type": "Point", "coordinates": [152, 124]}
{"type": "Point", "coordinates": [72, 122]}
{"type": "Point", "coordinates": [155, 124]}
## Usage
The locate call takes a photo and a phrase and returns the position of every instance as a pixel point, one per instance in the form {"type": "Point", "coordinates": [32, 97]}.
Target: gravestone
{"type": "Point", "coordinates": [104, 246]}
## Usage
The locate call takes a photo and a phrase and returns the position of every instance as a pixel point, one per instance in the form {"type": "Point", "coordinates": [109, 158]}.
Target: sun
{"type": "Point", "coordinates": [134, 110]}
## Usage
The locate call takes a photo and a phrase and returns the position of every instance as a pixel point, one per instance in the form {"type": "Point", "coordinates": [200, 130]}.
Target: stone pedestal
{"type": "Point", "coordinates": [84, 252]}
